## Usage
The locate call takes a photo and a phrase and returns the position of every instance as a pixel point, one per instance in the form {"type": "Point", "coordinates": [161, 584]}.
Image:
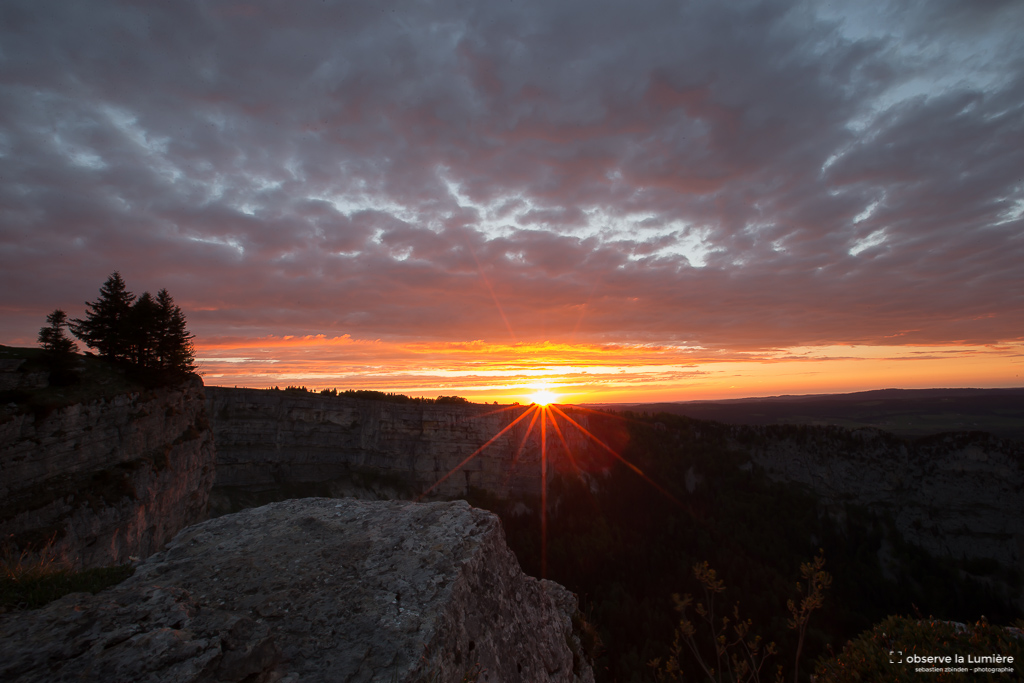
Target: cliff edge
{"type": "Point", "coordinates": [280, 444]}
{"type": "Point", "coordinates": [106, 478]}
{"type": "Point", "coordinates": [313, 590]}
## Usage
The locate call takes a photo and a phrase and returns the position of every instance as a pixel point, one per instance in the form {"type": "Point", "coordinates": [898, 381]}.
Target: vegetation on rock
{"type": "Point", "coordinates": [728, 649]}
{"type": "Point", "coordinates": [32, 579]}
{"type": "Point", "coordinates": [58, 350]}
{"type": "Point", "coordinates": [894, 648]}
{"type": "Point", "coordinates": [52, 337]}
{"type": "Point", "coordinates": [146, 332]}
{"type": "Point", "coordinates": [370, 395]}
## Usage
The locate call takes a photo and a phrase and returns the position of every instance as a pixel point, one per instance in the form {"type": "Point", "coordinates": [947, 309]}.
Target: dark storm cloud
{"type": "Point", "coordinates": [733, 174]}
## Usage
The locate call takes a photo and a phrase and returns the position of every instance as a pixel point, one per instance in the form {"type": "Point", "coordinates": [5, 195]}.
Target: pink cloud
{"type": "Point", "coordinates": [705, 174]}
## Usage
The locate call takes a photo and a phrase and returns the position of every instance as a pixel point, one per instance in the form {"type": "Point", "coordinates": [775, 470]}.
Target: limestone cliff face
{"type": "Point", "coordinates": [960, 495]}
{"type": "Point", "coordinates": [271, 440]}
{"type": "Point", "coordinates": [313, 590]}
{"type": "Point", "coordinates": [109, 479]}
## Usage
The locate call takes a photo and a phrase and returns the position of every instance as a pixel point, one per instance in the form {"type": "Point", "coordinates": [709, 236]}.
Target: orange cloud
{"type": "Point", "coordinates": [578, 373]}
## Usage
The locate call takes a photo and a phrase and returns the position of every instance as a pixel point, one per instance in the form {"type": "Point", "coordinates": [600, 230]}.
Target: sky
{"type": "Point", "coordinates": [658, 200]}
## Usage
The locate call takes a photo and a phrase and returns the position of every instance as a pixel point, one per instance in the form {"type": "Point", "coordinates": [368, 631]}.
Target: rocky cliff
{"type": "Point", "coordinates": [296, 444]}
{"type": "Point", "coordinates": [959, 495]}
{"type": "Point", "coordinates": [312, 590]}
{"type": "Point", "coordinates": [956, 495]}
{"type": "Point", "coordinates": [108, 478]}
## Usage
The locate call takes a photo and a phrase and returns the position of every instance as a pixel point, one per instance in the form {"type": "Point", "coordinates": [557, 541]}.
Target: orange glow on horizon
{"type": "Point", "coordinates": [483, 371]}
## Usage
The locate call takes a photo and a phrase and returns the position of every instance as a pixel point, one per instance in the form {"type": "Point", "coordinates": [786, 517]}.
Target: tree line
{"type": "Point", "coordinates": [145, 331]}
{"type": "Point", "coordinates": [370, 395]}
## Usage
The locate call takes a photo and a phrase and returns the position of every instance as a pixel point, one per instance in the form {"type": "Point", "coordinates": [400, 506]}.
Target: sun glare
{"type": "Point", "coordinates": [543, 397]}
{"type": "Point", "coordinates": [544, 417]}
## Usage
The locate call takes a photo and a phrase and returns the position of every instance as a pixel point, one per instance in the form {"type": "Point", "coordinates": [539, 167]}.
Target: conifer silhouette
{"type": "Point", "coordinates": [52, 337]}
{"type": "Point", "coordinates": [106, 326]}
{"type": "Point", "coordinates": [147, 332]}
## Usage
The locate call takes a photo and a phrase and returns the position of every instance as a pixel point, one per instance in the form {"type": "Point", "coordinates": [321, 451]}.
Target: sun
{"type": "Point", "coordinates": [543, 397]}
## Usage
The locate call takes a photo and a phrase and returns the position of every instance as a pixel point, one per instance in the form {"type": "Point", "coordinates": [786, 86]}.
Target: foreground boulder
{"type": "Point", "coordinates": [312, 590]}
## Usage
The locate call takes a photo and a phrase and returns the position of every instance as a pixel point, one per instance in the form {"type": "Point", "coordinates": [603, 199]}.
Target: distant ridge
{"type": "Point", "coordinates": [902, 394]}
{"type": "Point", "coordinates": [906, 412]}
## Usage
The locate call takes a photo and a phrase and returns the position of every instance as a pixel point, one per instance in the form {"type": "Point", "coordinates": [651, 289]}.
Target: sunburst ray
{"type": "Point", "coordinates": [472, 455]}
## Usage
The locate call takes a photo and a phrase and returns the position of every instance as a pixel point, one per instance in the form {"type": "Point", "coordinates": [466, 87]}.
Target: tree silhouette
{"type": "Point", "coordinates": [173, 347]}
{"type": "Point", "coordinates": [144, 331]}
{"type": "Point", "coordinates": [52, 337]}
{"type": "Point", "coordinates": [149, 333]}
{"type": "Point", "coordinates": [106, 326]}
{"type": "Point", "coordinates": [58, 350]}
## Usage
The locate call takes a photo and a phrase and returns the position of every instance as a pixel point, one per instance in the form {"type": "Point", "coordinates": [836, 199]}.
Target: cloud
{"type": "Point", "coordinates": [734, 175]}
{"type": "Point", "coordinates": [585, 371]}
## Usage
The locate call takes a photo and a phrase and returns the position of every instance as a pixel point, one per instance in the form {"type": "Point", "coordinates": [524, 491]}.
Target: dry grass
{"type": "Point", "coordinates": [30, 579]}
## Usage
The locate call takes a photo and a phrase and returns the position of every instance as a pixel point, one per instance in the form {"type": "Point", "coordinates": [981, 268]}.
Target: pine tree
{"type": "Point", "coordinates": [52, 337]}
{"type": "Point", "coordinates": [150, 333]}
{"type": "Point", "coordinates": [145, 332]}
{"type": "Point", "coordinates": [174, 347]}
{"type": "Point", "coordinates": [106, 325]}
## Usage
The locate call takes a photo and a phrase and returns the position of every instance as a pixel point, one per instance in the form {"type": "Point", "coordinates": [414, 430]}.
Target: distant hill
{"type": "Point", "coordinates": [906, 412]}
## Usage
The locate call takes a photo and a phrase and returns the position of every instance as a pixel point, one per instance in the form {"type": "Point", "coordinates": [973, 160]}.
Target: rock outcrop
{"type": "Point", "coordinates": [294, 444]}
{"type": "Point", "coordinates": [107, 479]}
{"type": "Point", "coordinates": [312, 590]}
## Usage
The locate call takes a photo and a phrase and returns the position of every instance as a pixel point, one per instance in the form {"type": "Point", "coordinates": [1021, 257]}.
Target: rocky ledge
{"type": "Point", "coordinates": [312, 590]}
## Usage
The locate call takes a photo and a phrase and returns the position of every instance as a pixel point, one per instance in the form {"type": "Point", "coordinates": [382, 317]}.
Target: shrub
{"type": "Point", "coordinates": [729, 650]}
{"type": "Point", "coordinates": [881, 654]}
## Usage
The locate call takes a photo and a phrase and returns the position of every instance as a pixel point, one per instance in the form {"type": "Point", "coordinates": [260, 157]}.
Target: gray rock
{"type": "Point", "coordinates": [312, 590]}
